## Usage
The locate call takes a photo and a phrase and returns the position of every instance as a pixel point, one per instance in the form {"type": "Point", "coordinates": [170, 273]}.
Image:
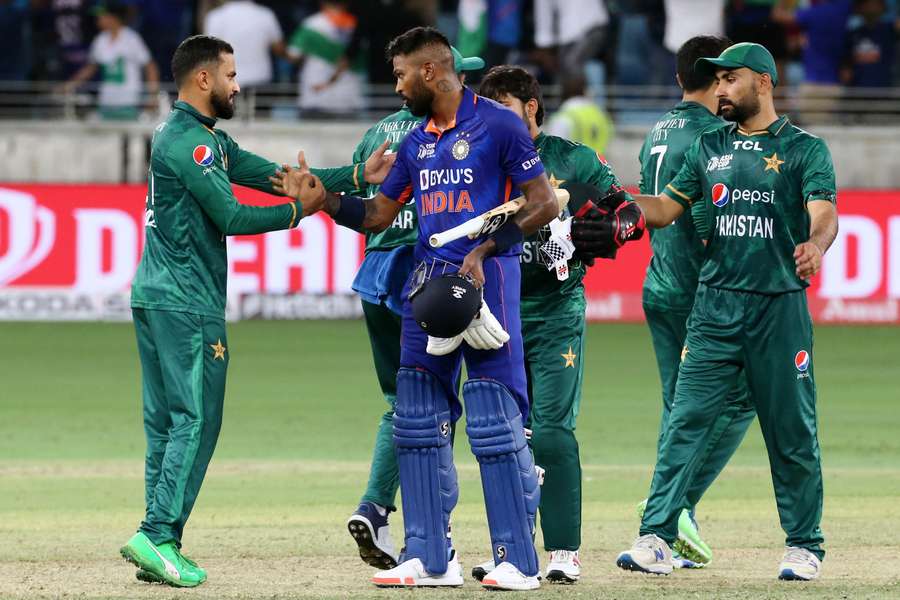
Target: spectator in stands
{"type": "Point", "coordinates": [689, 18]}
{"type": "Point", "coordinates": [254, 33]}
{"type": "Point", "coordinates": [870, 47]}
{"type": "Point", "coordinates": [825, 28]}
{"type": "Point", "coordinates": [14, 56]}
{"type": "Point", "coordinates": [489, 28]}
{"type": "Point", "coordinates": [577, 28]}
{"type": "Point", "coordinates": [119, 54]}
{"type": "Point", "coordinates": [579, 118]}
{"type": "Point", "coordinates": [61, 36]}
{"type": "Point", "coordinates": [163, 25]}
{"type": "Point", "coordinates": [326, 84]}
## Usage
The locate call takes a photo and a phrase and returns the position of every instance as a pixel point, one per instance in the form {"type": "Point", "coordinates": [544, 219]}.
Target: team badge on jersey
{"type": "Point", "coordinates": [203, 155]}
{"type": "Point", "coordinates": [720, 194]}
{"type": "Point", "coordinates": [460, 149]}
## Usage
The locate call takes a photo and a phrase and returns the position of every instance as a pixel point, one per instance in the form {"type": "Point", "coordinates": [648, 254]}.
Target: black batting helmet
{"type": "Point", "coordinates": [446, 305]}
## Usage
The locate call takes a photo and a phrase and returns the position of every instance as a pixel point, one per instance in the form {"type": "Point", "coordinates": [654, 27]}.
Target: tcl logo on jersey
{"type": "Point", "coordinates": [203, 155]}
{"type": "Point", "coordinates": [747, 145]}
{"type": "Point", "coordinates": [801, 361]}
{"type": "Point", "coordinates": [721, 194]}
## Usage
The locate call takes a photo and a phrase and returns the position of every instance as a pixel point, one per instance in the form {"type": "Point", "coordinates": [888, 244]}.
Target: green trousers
{"type": "Point", "coordinates": [384, 335]}
{"type": "Point", "coordinates": [770, 339]}
{"type": "Point", "coordinates": [668, 329]}
{"type": "Point", "coordinates": [555, 370]}
{"type": "Point", "coordinates": [184, 358]}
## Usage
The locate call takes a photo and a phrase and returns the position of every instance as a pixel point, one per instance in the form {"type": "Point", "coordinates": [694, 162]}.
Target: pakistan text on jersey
{"type": "Point", "coordinates": [433, 177]}
{"type": "Point", "coordinates": [745, 226]}
{"type": "Point", "coordinates": [531, 253]}
{"type": "Point", "coordinates": [660, 130]}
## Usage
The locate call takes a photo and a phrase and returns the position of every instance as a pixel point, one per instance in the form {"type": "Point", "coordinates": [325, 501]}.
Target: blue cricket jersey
{"type": "Point", "coordinates": [462, 172]}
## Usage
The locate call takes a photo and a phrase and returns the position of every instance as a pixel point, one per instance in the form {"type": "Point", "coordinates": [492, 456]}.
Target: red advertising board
{"type": "Point", "coordinates": [84, 242]}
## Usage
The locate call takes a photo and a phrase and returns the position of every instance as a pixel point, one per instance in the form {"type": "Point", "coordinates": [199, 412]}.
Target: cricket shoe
{"type": "Point", "coordinates": [148, 577]}
{"type": "Point", "coordinates": [689, 545]}
{"type": "Point", "coordinates": [564, 566]}
{"type": "Point", "coordinates": [412, 573]}
{"type": "Point", "coordinates": [163, 561]}
{"type": "Point", "coordinates": [479, 571]}
{"type": "Point", "coordinates": [506, 576]}
{"type": "Point", "coordinates": [799, 564]}
{"type": "Point", "coordinates": [650, 554]}
{"type": "Point", "coordinates": [371, 533]}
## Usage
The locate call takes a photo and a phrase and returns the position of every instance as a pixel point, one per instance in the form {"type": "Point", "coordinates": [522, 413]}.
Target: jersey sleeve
{"type": "Point", "coordinates": [344, 179]}
{"type": "Point", "coordinates": [248, 169]}
{"type": "Point", "coordinates": [685, 188]}
{"type": "Point", "coordinates": [398, 183]}
{"type": "Point", "coordinates": [643, 159]}
{"type": "Point", "coordinates": [519, 158]}
{"type": "Point", "coordinates": [817, 178]}
{"type": "Point", "coordinates": [211, 188]}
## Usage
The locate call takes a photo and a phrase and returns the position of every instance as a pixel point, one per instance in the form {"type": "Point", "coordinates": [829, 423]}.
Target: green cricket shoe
{"type": "Point", "coordinates": [148, 577]}
{"type": "Point", "coordinates": [163, 561]}
{"type": "Point", "coordinates": [689, 544]}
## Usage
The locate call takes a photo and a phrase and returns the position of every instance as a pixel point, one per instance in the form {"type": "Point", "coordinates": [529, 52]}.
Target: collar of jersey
{"type": "Point", "coordinates": [184, 106]}
{"type": "Point", "coordinates": [685, 104]}
{"type": "Point", "coordinates": [774, 129]}
{"type": "Point", "coordinates": [466, 109]}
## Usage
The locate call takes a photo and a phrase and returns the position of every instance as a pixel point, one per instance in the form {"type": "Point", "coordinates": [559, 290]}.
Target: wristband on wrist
{"type": "Point", "coordinates": [507, 236]}
{"type": "Point", "coordinates": [351, 212]}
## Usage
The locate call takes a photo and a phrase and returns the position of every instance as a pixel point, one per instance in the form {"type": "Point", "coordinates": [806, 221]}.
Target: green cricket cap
{"type": "Point", "coordinates": [746, 54]}
{"type": "Point", "coordinates": [472, 63]}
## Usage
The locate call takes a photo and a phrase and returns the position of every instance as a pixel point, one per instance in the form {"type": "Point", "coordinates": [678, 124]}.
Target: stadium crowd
{"type": "Point", "coordinates": [332, 50]}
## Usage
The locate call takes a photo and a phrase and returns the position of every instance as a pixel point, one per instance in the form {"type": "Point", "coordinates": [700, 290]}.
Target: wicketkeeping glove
{"type": "Point", "coordinates": [485, 331]}
{"type": "Point", "coordinates": [604, 236]}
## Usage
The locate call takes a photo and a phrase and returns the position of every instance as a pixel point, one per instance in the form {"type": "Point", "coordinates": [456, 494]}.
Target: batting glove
{"type": "Point", "coordinates": [440, 346]}
{"type": "Point", "coordinates": [485, 331]}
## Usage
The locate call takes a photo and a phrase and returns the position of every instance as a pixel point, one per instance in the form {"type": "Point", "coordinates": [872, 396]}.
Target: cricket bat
{"type": "Point", "coordinates": [490, 221]}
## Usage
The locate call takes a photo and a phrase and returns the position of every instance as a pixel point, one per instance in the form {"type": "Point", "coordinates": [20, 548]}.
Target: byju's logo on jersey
{"type": "Point", "coordinates": [801, 361]}
{"type": "Point", "coordinates": [203, 155]}
{"type": "Point", "coordinates": [720, 194]}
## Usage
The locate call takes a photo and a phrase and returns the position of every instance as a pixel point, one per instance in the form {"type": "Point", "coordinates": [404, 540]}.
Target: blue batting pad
{"type": "Point", "coordinates": [422, 427]}
{"type": "Point", "coordinates": [508, 477]}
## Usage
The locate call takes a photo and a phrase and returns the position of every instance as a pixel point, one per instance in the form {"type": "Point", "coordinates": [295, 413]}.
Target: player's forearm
{"type": "Point", "coordinates": [346, 179]}
{"type": "Point", "coordinates": [823, 226]}
{"type": "Point", "coordinates": [249, 220]}
{"type": "Point", "coordinates": [659, 211]}
{"type": "Point", "coordinates": [540, 207]}
{"type": "Point", "coordinates": [372, 215]}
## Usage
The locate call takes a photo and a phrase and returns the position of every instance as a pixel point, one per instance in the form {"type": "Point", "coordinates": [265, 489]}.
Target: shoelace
{"type": "Point", "coordinates": [646, 541]}
{"type": "Point", "coordinates": [797, 555]}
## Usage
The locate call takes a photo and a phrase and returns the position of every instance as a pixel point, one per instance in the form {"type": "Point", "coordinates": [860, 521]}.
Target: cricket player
{"type": "Point", "coordinates": [178, 293]}
{"type": "Point", "coordinates": [672, 275]}
{"type": "Point", "coordinates": [553, 327]}
{"type": "Point", "coordinates": [769, 191]}
{"type": "Point", "coordinates": [463, 161]}
{"type": "Point", "coordinates": [380, 282]}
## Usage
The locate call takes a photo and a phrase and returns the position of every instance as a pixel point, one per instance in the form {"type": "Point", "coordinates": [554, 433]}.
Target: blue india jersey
{"type": "Point", "coordinates": [471, 167]}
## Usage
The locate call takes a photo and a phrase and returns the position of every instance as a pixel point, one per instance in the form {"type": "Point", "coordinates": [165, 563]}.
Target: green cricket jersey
{"type": "Point", "coordinates": [755, 187]}
{"type": "Point", "coordinates": [677, 249]}
{"type": "Point", "coordinates": [191, 208]}
{"type": "Point", "coordinates": [403, 231]}
{"type": "Point", "coordinates": [544, 297]}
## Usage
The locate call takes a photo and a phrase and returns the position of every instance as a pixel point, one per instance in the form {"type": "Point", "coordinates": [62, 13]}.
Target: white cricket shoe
{"type": "Point", "coordinates": [370, 530]}
{"type": "Point", "coordinates": [649, 554]}
{"type": "Point", "coordinates": [506, 576]}
{"type": "Point", "coordinates": [564, 566]}
{"type": "Point", "coordinates": [412, 573]}
{"type": "Point", "coordinates": [799, 564]}
{"type": "Point", "coordinates": [479, 571]}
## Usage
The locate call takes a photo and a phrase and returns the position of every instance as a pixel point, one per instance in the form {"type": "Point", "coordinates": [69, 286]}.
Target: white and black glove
{"type": "Point", "coordinates": [558, 249]}
{"type": "Point", "coordinates": [438, 346]}
{"type": "Point", "coordinates": [485, 331]}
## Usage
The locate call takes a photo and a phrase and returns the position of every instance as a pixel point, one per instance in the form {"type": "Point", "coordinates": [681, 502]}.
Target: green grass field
{"type": "Point", "coordinates": [293, 456]}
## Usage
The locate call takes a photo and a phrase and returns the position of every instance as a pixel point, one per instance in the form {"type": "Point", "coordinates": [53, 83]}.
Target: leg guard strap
{"type": "Point", "coordinates": [422, 432]}
{"type": "Point", "coordinates": [508, 476]}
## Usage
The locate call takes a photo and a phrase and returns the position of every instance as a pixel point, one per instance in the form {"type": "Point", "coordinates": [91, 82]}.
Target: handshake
{"type": "Point", "coordinates": [602, 225]}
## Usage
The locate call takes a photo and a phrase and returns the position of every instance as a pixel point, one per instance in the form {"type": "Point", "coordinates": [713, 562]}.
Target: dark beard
{"type": "Point", "coordinates": [740, 113]}
{"type": "Point", "coordinates": [222, 105]}
{"type": "Point", "coordinates": [419, 103]}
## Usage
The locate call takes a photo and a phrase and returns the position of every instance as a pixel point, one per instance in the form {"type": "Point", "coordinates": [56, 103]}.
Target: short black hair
{"type": "Point", "coordinates": [514, 81]}
{"type": "Point", "coordinates": [195, 51]}
{"type": "Point", "coordinates": [701, 46]}
{"type": "Point", "coordinates": [413, 40]}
